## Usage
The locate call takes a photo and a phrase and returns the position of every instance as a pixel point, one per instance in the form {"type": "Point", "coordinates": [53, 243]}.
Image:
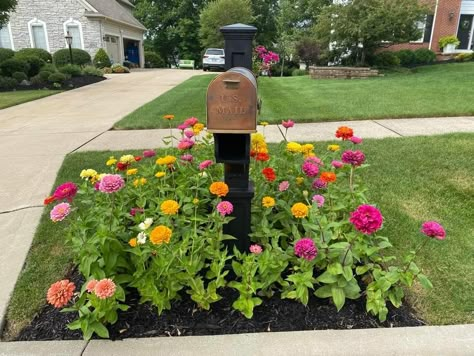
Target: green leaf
{"type": "Point", "coordinates": [425, 282]}
{"type": "Point", "coordinates": [327, 277]}
{"type": "Point", "coordinates": [338, 297]}
{"type": "Point", "coordinates": [352, 289]}
{"type": "Point", "coordinates": [347, 273]}
{"type": "Point", "coordinates": [323, 292]}
{"type": "Point", "coordinates": [100, 330]}
{"type": "Point", "coordinates": [335, 268]}
{"type": "Point", "coordinates": [362, 269]}
{"type": "Point", "coordinates": [339, 245]}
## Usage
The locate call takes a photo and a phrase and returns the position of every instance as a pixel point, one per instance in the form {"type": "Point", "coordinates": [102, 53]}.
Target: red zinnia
{"type": "Point", "coordinates": [269, 174]}
{"type": "Point", "coordinates": [67, 191]}
{"type": "Point", "coordinates": [49, 200]}
{"type": "Point", "coordinates": [138, 158]}
{"type": "Point", "coordinates": [344, 132]}
{"type": "Point", "coordinates": [328, 177]}
{"type": "Point", "coordinates": [122, 166]}
{"type": "Point", "coordinates": [262, 157]}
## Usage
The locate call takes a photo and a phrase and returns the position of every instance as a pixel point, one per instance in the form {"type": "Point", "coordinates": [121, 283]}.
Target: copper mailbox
{"type": "Point", "coordinates": [232, 102]}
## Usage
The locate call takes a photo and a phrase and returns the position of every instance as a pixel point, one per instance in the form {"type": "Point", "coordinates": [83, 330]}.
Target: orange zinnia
{"type": "Point", "coordinates": [160, 234]}
{"type": "Point", "coordinates": [344, 132]}
{"type": "Point", "coordinates": [219, 188]}
{"type": "Point", "coordinates": [328, 177]}
{"type": "Point", "coordinates": [168, 117]}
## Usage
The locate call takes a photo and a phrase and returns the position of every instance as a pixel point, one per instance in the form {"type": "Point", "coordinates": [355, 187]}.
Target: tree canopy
{"type": "Point", "coordinates": [6, 6]}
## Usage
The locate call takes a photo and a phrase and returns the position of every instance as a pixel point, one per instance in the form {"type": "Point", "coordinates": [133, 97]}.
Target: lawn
{"type": "Point", "coordinates": [430, 91]}
{"type": "Point", "coordinates": [12, 98]}
{"type": "Point", "coordinates": [411, 180]}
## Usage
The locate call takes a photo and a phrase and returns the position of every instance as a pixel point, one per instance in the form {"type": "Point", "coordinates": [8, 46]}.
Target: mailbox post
{"type": "Point", "coordinates": [232, 117]}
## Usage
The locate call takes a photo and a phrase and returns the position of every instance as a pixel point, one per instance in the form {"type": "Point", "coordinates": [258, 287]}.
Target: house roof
{"type": "Point", "coordinates": [112, 10]}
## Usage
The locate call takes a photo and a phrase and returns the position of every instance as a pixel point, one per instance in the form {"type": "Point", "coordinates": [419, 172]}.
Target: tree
{"type": "Point", "coordinates": [221, 13]}
{"type": "Point", "coordinates": [265, 14]}
{"type": "Point", "coordinates": [307, 49]}
{"type": "Point", "coordinates": [359, 27]}
{"type": "Point", "coordinates": [6, 6]}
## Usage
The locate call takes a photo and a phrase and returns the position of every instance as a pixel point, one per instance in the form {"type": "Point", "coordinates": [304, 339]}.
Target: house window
{"type": "Point", "coordinates": [38, 34]}
{"type": "Point", "coordinates": [75, 30]}
{"type": "Point", "coordinates": [6, 40]}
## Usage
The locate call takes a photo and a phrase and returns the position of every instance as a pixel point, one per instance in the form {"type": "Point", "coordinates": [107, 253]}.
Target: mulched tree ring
{"type": "Point", "coordinates": [184, 319]}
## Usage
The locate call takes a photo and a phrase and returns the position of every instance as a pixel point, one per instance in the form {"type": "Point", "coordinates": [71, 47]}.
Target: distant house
{"type": "Point", "coordinates": [93, 24]}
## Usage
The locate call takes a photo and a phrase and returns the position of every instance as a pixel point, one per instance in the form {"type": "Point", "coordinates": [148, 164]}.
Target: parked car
{"type": "Point", "coordinates": [214, 58]}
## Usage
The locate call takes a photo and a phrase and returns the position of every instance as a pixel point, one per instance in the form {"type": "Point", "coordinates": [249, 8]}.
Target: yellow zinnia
{"type": "Point", "coordinates": [127, 159]}
{"type": "Point", "coordinates": [307, 149]}
{"type": "Point", "coordinates": [89, 175]}
{"type": "Point", "coordinates": [160, 234]}
{"type": "Point", "coordinates": [299, 180]}
{"type": "Point", "coordinates": [166, 160]}
{"type": "Point", "coordinates": [264, 123]}
{"type": "Point", "coordinates": [268, 202]}
{"type": "Point", "coordinates": [293, 147]}
{"type": "Point", "coordinates": [131, 172]}
{"type": "Point", "coordinates": [141, 181]}
{"type": "Point", "coordinates": [133, 242]}
{"type": "Point", "coordinates": [334, 148]}
{"type": "Point", "coordinates": [160, 174]}
{"type": "Point", "coordinates": [197, 128]}
{"type": "Point", "coordinates": [111, 161]}
{"type": "Point", "coordinates": [299, 210]}
{"type": "Point", "coordinates": [169, 207]}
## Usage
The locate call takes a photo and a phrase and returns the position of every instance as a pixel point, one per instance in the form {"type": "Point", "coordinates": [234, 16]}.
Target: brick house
{"type": "Point", "coordinates": [93, 24]}
{"type": "Point", "coordinates": [450, 17]}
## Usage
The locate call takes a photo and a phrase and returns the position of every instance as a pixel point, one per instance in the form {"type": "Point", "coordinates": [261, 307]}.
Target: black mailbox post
{"type": "Point", "coordinates": [231, 117]}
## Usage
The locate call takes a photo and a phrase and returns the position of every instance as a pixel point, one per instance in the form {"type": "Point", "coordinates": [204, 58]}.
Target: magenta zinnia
{"type": "Point", "coordinates": [356, 158]}
{"type": "Point", "coordinates": [185, 143]}
{"type": "Point", "coordinates": [433, 229]}
{"type": "Point", "coordinates": [310, 169]}
{"type": "Point", "coordinates": [205, 164]}
{"type": "Point", "coordinates": [111, 183]}
{"type": "Point", "coordinates": [59, 212]}
{"type": "Point", "coordinates": [366, 219]}
{"type": "Point", "coordinates": [67, 191]}
{"type": "Point", "coordinates": [319, 184]}
{"type": "Point", "coordinates": [225, 208]}
{"type": "Point", "coordinates": [306, 249]}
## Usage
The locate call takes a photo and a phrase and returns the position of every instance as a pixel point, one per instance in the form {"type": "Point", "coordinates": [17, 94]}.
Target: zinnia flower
{"type": "Point", "coordinates": [67, 191]}
{"type": "Point", "coordinates": [356, 158]}
{"type": "Point", "coordinates": [160, 234]}
{"type": "Point", "coordinates": [433, 229]}
{"type": "Point", "coordinates": [191, 121]}
{"type": "Point", "coordinates": [111, 161]}
{"type": "Point", "coordinates": [141, 238]}
{"type": "Point", "coordinates": [337, 164]}
{"type": "Point", "coordinates": [185, 144]}
{"type": "Point", "coordinates": [169, 207]}
{"type": "Point", "coordinates": [356, 140]}
{"type": "Point", "coordinates": [89, 174]}
{"type": "Point", "coordinates": [59, 212]}
{"type": "Point", "coordinates": [187, 157]}
{"type": "Point", "coordinates": [205, 164]}
{"type": "Point", "coordinates": [366, 219]}
{"type": "Point", "coordinates": [262, 156]}
{"type": "Point", "coordinates": [225, 208]}
{"type": "Point", "coordinates": [219, 188]}
{"type": "Point", "coordinates": [299, 180]}
{"type": "Point", "coordinates": [306, 249]}
{"type": "Point", "coordinates": [319, 184]}
{"type": "Point", "coordinates": [111, 183]}
{"type": "Point", "coordinates": [127, 159]}
{"type": "Point", "coordinates": [293, 147]}
{"type": "Point", "coordinates": [122, 166]}
{"type": "Point", "coordinates": [299, 210]}
{"type": "Point", "coordinates": [344, 132]}
{"type": "Point", "coordinates": [134, 211]}
{"type": "Point", "coordinates": [146, 224]}
{"type": "Point", "coordinates": [160, 174]}
{"type": "Point", "coordinates": [310, 169]}
{"type": "Point", "coordinates": [256, 249]}
{"type": "Point", "coordinates": [133, 242]}
{"type": "Point", "coordinates": [131, 172]}
{"type": "Point", "coordinates": [197, 128]}
{"type": "Point", "coordinates": [139, 182]}
{"type": "Point", "coordinates": [269, 174]}
{"type": "Point", "coordinates": [91, 285]}
{"type": "Point", "coordinates": [287, 124]}
{"type": "Point", "coordinates": [49, 200]}
{"type": "Point", "coordinates": [319, 200]}
{"type": "Point", "coordinates": [268, 202]}
{"type": "Point", "coordinates": [264, 123]}
{"type": "Point", "coordinates": [328, 177]}
{"type": "Point", "coordinates": [167, 160]}
{"type": "Point", "coordinates": [60, 293]}
{"type": "Point", "coordinates": [334, 148]}
{"type": "Point", "coordinates": [149, 153]}
{"type": "Point", "coordinates": [168, 117]}
{"type": "Point", "coordinates": [105, 288]}
{"type": "Point", "coordinates": [283, 186]}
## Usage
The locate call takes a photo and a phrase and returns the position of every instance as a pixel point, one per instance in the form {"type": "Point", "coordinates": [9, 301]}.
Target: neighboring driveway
{"type": "Point", "coordinates": [35, 137]}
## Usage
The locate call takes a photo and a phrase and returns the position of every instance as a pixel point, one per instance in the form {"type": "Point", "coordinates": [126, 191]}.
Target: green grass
{"type": "Point", "coordinates": [430, 91]}
{"type": "Point", "coordinates": [12, 98]}
{"type": "Point", "coordinates": [410, 179]}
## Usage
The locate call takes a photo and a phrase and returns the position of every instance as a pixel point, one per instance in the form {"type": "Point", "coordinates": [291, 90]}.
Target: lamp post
{"type": "Point", "coordinates": [68, 38]}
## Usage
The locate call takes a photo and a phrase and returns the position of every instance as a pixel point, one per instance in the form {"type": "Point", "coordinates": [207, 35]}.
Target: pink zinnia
{"type": "Point", "coordinates": [319, 199]}
{"type": "Point", "coordinates": [182, 127]}
{"type": "Point", "coordinates": [60, 293]}
{"type": "Point", "coordinates": [316, 160]}
{"type": "Point", "coordinates": [205, 164]}
{"type": "Point", "coordinates": [105, 288]}
{"type": "Point", "coordinates": [225, 208]}
{"type": "Point", "coordinates": [287, 124]}
{"type": "Point", "coordinates": [366, 219]}
{"type": "Point", "coordinates": [356, 140]}
{"type": "Point", "coordinates": [187, 157]}
{"type": "Point", "coordinates": [111, 183]}
{"type": "Point", "coordinates": [91, 285]}
{"type": "Point", "coordinates": [134, 211]}
{"type": "Point", "coordinates": [185, 144]}
{"type": "Point", "coordinates": [256, 249]}
{"type": "Point", "coordinates": [67, 191]}
{"type": "Point", "coordinates": [191, 121]}
{"type": "Point", "coordinates": [433, 229]}
{"type": "Point", "coordinates": [149, 153]}
{"type": "Point", "coordinates": [283, 186]}
{"type": "Point", "coordinates": [319, 184]}
{"type": "Point", "coordinates": [356, 158]}
{"type": "Point", "coordinates": [310, 169]}
{"type": "Point", "coordinates": [306, 249]}
{"type": "Point", "coordinates": [189, 133]}
{"type": "Point", "coordinates": [337, 164]}
{"type": "Point", "coordinates": [59, 212]}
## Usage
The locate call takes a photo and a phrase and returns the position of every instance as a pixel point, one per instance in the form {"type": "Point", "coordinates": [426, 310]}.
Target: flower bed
{"type": "Point", "coordinates": [155, 227]}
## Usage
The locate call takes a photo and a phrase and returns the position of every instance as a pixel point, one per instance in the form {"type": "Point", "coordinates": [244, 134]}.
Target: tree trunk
{"type": "Point", "coordinates": [282, 66]}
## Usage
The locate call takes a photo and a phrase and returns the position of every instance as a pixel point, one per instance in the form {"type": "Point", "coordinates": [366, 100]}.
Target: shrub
{"type": "Point", "coordinates": [57, 78]}
{"type": "Point", "coordinates": [50, 67]}
{"type": "Point", "coordinates": [71, 69]}
{"type": "Point", "coordinates": [118, 68]}
{"type": "Point", "coordinates": [79, 57]}
{"type": "Point", "coordinates": [91, 70]}
{"type": "Point", "coordinates": [407, 57]}
{"type": "Point", "coordinates": [463, 57]}
{"type": "Point", "coordinates": [35, 64]}
{"type": "Point", "coordinates": [6, 53]}
{"type": "Point", "coordinates": [35, 52]}
{"type": "Point", "coordinates": [36, 80]}
{"type": "Point", "coordinates": [7, 83]}
{"type": "Point", "coordinates": [386, 59]}
{"type": "Point", "coordinates": [153, 60]}
{"type": "Point", "coordinates": [44, 75]}
{"type": "Point", "coordinates": [19, 76]}
{"type": "Point", "coordinates": [107, 70]}
{"type": "Point", "coordinates": [443, 41]}
{"type": "Point", "coordinates": [101, 59]}
{"type": "Point", "coordinates": [13, 65]}
{"type": "Point", "coordinates": [288, 69]}
{"type": "Point", "coordinates": [424, 56]}
{"type": "Point", "coordinates": [298, 72]}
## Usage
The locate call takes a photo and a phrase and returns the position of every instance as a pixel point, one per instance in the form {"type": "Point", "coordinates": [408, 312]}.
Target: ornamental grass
{"type": "Point", "coordinates": [313, 231]}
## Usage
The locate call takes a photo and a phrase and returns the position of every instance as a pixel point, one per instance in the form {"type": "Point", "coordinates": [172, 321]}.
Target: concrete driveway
{"type": "Point", "coordinates": [35, 137]}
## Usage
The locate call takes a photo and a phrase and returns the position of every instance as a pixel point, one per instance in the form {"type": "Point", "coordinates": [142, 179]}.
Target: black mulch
{"type": "Point", "coordinates": [142, 320]}
{"type": "Point", "coordinates": [72, 83]}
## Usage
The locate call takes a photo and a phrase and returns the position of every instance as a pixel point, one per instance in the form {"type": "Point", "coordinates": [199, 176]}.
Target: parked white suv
{"type": "Point", "coordinates": [214, 58]}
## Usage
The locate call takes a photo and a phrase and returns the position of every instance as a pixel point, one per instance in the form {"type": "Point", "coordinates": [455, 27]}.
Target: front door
{"type": "Point", "coordinates": [465, 31]}
{"type": "Point", "coordinates": [112, 47]}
